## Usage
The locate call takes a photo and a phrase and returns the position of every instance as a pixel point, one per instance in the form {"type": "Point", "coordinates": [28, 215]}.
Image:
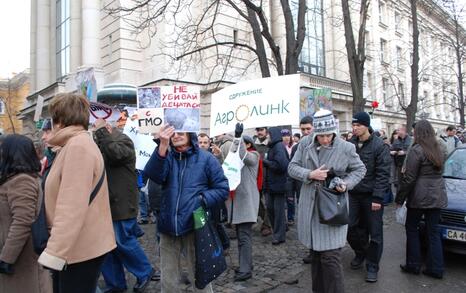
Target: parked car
{"type": "Point", "coordinates": [453, 217]}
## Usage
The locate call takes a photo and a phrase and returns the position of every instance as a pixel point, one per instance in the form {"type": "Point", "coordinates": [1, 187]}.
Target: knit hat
{"type": "Point", "coordinates": [324, 123]}
{"type": "Point", "coordinates": [362, 118]}
{"type": "Point", "coordinates": [285, 132]}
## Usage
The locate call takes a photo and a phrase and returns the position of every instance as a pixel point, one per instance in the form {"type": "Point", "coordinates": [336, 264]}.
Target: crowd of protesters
{"type": "Point", "coordinates": [93, 199]}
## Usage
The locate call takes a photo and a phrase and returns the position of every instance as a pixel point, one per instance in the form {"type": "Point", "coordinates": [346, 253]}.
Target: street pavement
{"type": "Point", "coordinates": [277, 266]}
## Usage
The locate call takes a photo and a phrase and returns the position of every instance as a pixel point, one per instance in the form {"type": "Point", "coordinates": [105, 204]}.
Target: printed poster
{"type": "Point", "coordinates": [312, 100]}
{"type": "Point", "coordinates": [178, 106]}
{"type": "Point", "coordinates": [262, 102]}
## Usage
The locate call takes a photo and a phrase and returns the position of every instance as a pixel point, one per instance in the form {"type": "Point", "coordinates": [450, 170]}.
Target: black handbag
{"type": "Point", "coordinates": [39, 229]}
{"type": "Point", "coordinates": [332, 206]}
{"type": "Point", "coordinates": [210, 261]}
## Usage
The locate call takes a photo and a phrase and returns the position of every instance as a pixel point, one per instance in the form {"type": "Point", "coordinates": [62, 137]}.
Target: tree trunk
{"type": "Point", "coordinates": [260, 47]}
{"type": "Point", "coordinates": [8, 108]}
{"type": "Point", "coordinates": [356, 55]}
{"type": "Point", "coordinates": [458, 48]}
{"type": "Point", "coordinates": [412, 107]}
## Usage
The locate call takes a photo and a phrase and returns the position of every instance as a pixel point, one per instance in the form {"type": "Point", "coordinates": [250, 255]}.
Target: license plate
{"type": "Point", "coordinates": [454, 235]}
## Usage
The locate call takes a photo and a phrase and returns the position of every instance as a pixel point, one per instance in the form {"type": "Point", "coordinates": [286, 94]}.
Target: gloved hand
{"type": "Point", "coordinates": [6, 268]}
{"type": "Point", "coordinates": [238, 130]}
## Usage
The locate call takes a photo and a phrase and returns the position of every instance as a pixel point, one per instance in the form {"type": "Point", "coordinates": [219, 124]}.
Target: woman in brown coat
{"type": "Point", "coordinates": [81, 233]}
{"type": "Point", "coordinates": [19, 204]}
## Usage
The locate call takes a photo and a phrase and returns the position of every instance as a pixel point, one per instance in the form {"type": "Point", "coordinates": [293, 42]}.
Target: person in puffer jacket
{"type": "Point", "coordinates": [190, 178]}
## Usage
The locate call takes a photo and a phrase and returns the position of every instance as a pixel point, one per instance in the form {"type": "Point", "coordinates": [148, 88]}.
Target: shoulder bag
{"type": "Point", "coordinates": [332, 206]}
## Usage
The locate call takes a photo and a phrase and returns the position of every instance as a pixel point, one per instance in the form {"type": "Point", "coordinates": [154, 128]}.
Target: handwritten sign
{"type": "Point", "coordinates": [262, 102]}
{"type": "Point", "coordinates": [177, 105]}
{"type": "Point", "coordinates": [143, 143]}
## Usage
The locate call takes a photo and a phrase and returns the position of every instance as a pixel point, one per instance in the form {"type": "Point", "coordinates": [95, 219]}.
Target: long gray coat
{"type": "Point", "coordinates": [344, 160]}
{"type": "Point", "coordinates": [244, 208]}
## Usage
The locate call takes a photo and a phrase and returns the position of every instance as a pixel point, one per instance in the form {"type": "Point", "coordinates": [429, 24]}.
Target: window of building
{"type": "Point", "coordinates": [382, 12]}
{"type": "Point", "coordinates": [383, 51]}
{"type": "Point", "coordinates": [312, 57]}
{"type": "Point", "coordinates": [370, 83]}
{"type": "Point", "coordinates": [399, 58]}
{"type": "Point", "coordinates": [63, 37]}
{"type": "Point", "coordinates": [401, 93]}
{"type": "Point", "coordinates": [410, 27]}
{"type": "Point", "coordinates": [387, 100]}
{"type": "Point", "coordinates": [397, 21]}
{"type": "Point", "coordinates": [2, 107]}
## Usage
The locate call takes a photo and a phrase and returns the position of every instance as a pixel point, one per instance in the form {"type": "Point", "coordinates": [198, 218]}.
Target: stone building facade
{"type": "Point", "coordinates": [13, 93]}
{"type": "Point", "coordinates": [70, 37]}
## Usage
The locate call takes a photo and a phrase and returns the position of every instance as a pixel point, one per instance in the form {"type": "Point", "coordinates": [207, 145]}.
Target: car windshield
{"type": "Point", "coordinates": [455, 166]}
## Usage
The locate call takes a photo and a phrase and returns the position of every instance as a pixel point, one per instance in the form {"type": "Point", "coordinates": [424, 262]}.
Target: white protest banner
{"type": "Point", "coordinates": [39, 106]}
{"type": "Point", "coordinates": [143, 143]}
{"type": "Point", "coordinates": [99, 110]}
{"type": "Point", "coordinates": [177, 105]}
{"type": "Point", "coordinates": [262, 102]}
{"type": "Point", "coordinates": [150, 120]}
{"type": "Point", "coordinates": [376, 123]}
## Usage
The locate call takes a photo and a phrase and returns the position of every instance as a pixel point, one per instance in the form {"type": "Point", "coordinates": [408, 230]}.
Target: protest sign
{"type": "Point", "coordinates": [177, 105]}
{"type": "Point", "coordinates": [143, 143]}
{"type": "Point", "coordinates": [39, 106]}
{"type": "Point", "coordinates": [267, 102]}
{"type": "Point", "coordinates": [150, 120]}
{"type": "Point", "coordinates": [313, 100]}
{"type": "Point", "coordinates": [99, 110]}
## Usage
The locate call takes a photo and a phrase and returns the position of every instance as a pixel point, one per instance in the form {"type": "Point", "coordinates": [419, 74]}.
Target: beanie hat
{"type": "Point", "coordinates": [285, 132]}
{"type": "Point", "coordinates": [324, 123]}
{"type": "Point", "coordinates": [362, 118]}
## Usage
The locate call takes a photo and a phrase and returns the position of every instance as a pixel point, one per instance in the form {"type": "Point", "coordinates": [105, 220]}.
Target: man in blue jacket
{"type": "Point", "coordinates": [190, 177]}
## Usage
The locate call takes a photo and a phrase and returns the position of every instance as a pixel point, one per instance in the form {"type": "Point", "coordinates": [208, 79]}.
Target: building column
{"type": "Point", "coordinates": [90, 33]}
{"type": "Point", "coordinates": [75, 35]}
{"type": "Point", "coordinates": [32, 50]}
{"type": "Point", "coordinates": [42, 45]}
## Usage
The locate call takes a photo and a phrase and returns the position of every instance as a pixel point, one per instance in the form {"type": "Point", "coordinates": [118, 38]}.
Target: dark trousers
{"type": "Point", "coordinates": [244, 235]}
{"type": "Point", "coordinates": [434, 261]}
{"type": "Point", "coordinates": [276, 211]}
{"type": "Point", "coordinates": [290, 203]}
{"type": "Point", "coordinates": [327, 271]}
{"type": "Point", "coordinates": [79, 277]}
{"type": "Point", "coordinates": [263, 211]}
{"type": "Point", "coordinates": [365, 231]}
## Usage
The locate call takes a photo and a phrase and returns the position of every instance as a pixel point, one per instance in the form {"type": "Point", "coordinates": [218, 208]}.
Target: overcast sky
{"type": "Point", "coordinates": [14, 33]}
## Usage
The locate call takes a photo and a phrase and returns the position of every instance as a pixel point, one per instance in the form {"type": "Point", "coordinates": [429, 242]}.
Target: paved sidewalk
{"type": "Point", "coordinates": [273, 265]}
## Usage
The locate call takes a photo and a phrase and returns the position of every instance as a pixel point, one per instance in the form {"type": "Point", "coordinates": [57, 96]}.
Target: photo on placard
{"type": "Point", "coordinates": [149, 97]}
{"type": "Point", "coordinates": [183, 119]}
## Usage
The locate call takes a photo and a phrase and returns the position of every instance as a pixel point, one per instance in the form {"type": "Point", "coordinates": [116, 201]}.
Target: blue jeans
{"type": "Point", "coordinates": [143, 206]}
{"type": "Point", "coordinates": [128, 254]}
{"type": "Point", "coordinates": [434, 262]}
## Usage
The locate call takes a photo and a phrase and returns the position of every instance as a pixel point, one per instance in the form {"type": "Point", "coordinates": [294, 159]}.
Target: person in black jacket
{"type": "Point", "coordinates": [365, 231]}
{"type": "Point", "coordinates": [276, 164]}
{"type": "Point", "coordinates": [120, 164]}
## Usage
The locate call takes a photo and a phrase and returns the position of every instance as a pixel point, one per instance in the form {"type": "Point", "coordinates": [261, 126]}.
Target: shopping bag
{"type": "Point", "coordinates": [232, 166]}
{"type": "Point", "coordinates": [400, 214]}
{"type": "Point", "coordinates": [210, 261]}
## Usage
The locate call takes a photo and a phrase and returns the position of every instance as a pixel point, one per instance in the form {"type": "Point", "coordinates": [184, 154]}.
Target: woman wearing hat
{"type": "Point", "coordinates": [243, 204]}
{"type": "Point", "coordinates": [315, 157]}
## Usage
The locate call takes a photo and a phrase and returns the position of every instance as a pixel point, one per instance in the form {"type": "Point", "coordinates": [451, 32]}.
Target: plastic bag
{"type": "Point", "coordinates": [400, 214]}
{"type": "Point", "coordinates": [232, 166]}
